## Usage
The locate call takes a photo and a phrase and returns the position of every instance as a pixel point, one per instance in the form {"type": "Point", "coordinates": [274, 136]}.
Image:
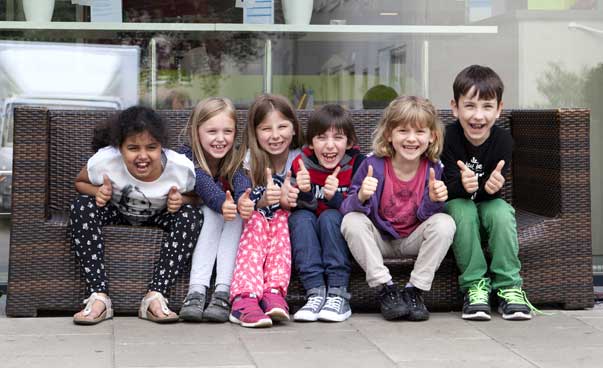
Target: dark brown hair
{"type": "Point", "coordinates": [487, 83]}
{"type": "Point", "coordinates": [331, 116]}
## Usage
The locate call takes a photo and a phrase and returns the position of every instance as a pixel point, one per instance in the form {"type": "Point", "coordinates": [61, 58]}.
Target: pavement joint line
{"type": "Point", "coordinates": [375, 345]}
{"type": "Point", "coordinates": [507, 346]}
{"type": "Point", "coordinates": [237, 333]}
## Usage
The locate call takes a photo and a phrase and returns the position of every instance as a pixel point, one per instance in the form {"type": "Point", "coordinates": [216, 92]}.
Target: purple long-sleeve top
{"type": "Point", "coordinates": [371, 206]}
{"type": "Point", "coordinates": [212, 190]}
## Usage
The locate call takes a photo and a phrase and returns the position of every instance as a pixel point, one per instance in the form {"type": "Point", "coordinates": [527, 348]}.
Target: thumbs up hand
{"type": "Point", "coordinates": [272, 195]}
{"type": "Point", "coordinates": [369, 185]}
{"type": "Point", "coordinates": [174, 200]}
{"type": "Point", "coordinates": [229, 207]}
{"type": "Point", "coordinates": [104, 192]}
{"type": "Point", "coordinates": [331, 184]}
{"type": "Point", "coordinates": [303, 178]}
{"type": "Point", "coordinates": [437, 189]}
{"type": "Point", "coordinates": [496, 180]}
{"type": "Point", "coordinates": [245, 205]}
{"type": "Point", "coordinates": [289, 193]}
{"type": "Point", "coordinates": [468, 178]}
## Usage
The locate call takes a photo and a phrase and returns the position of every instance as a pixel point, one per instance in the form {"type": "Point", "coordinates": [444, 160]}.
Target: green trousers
{"type": "Point", "coordinates": [495, 221]}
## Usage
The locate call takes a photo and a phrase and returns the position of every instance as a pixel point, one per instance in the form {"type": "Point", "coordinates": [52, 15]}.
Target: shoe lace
{"type": "Point", "coordinates": [479, 292]}
{"type": "Point", "coordinates": [334, 302]}
{"type": "Point", "coordinates": [518, 296]}
{"type": "Point", "coordinates": [314, 302]}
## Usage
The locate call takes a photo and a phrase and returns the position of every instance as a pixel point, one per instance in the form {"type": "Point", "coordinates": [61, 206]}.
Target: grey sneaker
{"type": "Point", "coordinates": [192, 308]}
{"type": "Point", "coordinates": [337, 307]}
{"type": "Point", "coordinates": [218, 308]}
{"type": "Point", "coordinates": [309, 312]}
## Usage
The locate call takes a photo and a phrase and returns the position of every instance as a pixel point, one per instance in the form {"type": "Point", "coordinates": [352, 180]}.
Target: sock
{"type": "Point", "coordinates": [390, 282]}
{"type": "Point", "coordinates": [198, 288]}
{"type": "Point", "coordinates": [409, 285]}
{"type": "Point", "coordinates": [223, 287]}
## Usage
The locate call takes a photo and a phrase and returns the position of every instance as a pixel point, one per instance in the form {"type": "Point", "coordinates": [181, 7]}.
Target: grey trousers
{"type": "Point", "coordinates": [218, 242]}
{"type": "Point", "coordinates": [429, 242]}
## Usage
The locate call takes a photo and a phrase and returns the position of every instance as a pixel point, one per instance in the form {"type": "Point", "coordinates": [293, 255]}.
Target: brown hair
{"type": "Point", "coordinates": [487, 83]}
{"type": "Point", "coordinates": [331, 116]}
{"type": "Point", "coordinates": [202, 112]}
{"type": "Point", "coordinates": [409, 110]}
{"type": "Point", "coordinates": [259, 159]}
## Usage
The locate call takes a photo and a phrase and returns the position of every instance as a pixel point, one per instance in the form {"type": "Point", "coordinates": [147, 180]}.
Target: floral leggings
{"type": "Point", "coordinates": [264, 256]}
{"type": "Point", "coordinates": [86, 222]}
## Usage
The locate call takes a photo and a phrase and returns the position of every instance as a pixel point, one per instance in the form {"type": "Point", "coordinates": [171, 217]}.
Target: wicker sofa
{"type": "Point", "coordinates": [548, 185]}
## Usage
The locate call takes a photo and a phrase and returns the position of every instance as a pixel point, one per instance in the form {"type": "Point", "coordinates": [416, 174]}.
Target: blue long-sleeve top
{"type": "Point", "coordinates": [213, 190]}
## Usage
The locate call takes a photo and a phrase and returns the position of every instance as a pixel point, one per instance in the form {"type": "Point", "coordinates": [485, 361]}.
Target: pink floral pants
{"type": "Point", "coordinates": [264, 256]}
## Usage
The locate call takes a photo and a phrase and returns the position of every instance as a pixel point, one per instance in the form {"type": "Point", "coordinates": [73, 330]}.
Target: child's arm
{"type": "Point", "coordinates": [305, 199]}
{"type": "Point", "coordinates": [352, 203]}
{"type": "Point", "coordinates": [428, 207]}
{"type": "Point", "coordinates": [337, 199]}
{"type": "Point", "coordinates": [209, 191]}
{"type": "Point", "coordinates": [452, 173]}
{"type": "Point", "coordinates": [102, 193]}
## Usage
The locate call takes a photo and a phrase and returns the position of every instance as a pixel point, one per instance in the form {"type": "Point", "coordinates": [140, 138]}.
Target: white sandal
{"type": "Point", "coordinates": [107, 313]}
{"type": "Point", "coordinates": [145, 313]}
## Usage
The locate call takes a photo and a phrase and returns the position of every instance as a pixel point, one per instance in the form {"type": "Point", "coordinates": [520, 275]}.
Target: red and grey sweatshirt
{"type": "Point", "coordinates": [315, 200]}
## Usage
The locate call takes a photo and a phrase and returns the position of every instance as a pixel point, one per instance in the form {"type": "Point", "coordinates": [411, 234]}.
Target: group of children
{"type": "Point", "coordinates": [252, 211]}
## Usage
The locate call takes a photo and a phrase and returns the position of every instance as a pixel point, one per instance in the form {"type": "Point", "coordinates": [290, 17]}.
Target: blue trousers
{"type": "Point", "coordinates": [320, 253]}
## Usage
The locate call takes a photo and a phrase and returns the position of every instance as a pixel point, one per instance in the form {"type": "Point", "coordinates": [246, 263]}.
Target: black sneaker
{"type": "Point", "coordinates": [417, 311]}
{"type": "Point", "coordinates": [513, 304]}
{"type": "Point", "coordinates": [218, 308]}
{"type": "Point", "coordinates": [476, 306]}
{"type": "Point", "coordinates": [192, 308]}
{"type": "Point", "coordinates": [392, 304]}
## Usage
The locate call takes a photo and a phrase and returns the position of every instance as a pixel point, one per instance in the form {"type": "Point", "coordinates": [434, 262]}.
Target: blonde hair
{"type": "Point", "coordinates": [259, 159]}
{"type": "Point", "coordinates": [404, 111]}
{"type": "Point", "coordinates": [202, 112]}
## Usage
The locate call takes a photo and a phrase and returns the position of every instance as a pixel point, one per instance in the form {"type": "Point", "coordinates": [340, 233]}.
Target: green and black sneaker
{"type": "Point", "coordinates": [476, 306]}
{"type": "Point", "coordinates": [513, 304]}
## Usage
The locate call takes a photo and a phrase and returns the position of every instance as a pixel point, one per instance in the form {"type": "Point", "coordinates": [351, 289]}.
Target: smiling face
{"type": "Point", "coordinates": [141, 153]}
{"type": "Point", "coordinates": [216, 136]}
{"type": "Point", "coordinates": [274, 134]}
{"type": "Point", "coordinates": [410, 141]}
{"type": "Point", "coordinates": [477, 116]}
{"type": "Point", "coordinates": [329, 147]}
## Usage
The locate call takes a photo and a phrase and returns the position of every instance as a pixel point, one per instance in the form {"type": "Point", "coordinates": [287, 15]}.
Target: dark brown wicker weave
{"type": "Point", "coordinates": [549, 187]}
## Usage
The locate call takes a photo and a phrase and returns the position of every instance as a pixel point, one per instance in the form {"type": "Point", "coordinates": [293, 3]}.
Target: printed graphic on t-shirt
{"type": "Point", "coordinates": [135, 205]}
{"type": "Point", "coordinates": [478, 168]}
{"type": "Point", "coordinates": [402, 216]}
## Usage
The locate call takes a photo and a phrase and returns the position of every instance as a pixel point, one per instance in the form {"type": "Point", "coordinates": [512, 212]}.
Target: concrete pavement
{"type": "Point", "coordinates": [565, 339]}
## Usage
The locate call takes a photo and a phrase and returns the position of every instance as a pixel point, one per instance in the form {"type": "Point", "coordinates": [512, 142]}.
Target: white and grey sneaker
{"type": "Point", "coordinates": [337, 307]}
{"type": "Point", "coordinates": [316, 298]}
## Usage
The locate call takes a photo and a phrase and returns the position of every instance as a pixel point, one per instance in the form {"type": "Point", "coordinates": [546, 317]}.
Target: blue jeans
{"type": "Point", "coordinates": [320, 253]}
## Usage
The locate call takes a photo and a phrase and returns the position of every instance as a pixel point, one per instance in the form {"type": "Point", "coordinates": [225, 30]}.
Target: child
{"type": "Point", "coordinates": [210, 133]}
{"type": "Point", "coordinates": [393, 206]}
{"type": "Point", "coordinates": [324, 173]}
{"type": "Point", "coordinates": [263, 265]}
{"type": "Point", "coordinates": [476, 155]}
{"type": "Point", "coordinates": [133, 180]}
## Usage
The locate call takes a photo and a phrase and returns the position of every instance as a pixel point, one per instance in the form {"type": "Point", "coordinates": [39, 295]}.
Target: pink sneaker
{"type": "Point", "coordinates": [247, 312]}
{"type": "Point", "coordinates": [274, 305]}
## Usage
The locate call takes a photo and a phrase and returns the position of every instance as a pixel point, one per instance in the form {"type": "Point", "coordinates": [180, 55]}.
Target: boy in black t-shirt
{"type": "Point", "coordinates": [476, 155]}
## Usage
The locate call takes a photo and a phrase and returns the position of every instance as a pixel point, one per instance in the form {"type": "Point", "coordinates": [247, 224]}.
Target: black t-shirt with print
{"type": "Point", "coordinates": [481, 159]}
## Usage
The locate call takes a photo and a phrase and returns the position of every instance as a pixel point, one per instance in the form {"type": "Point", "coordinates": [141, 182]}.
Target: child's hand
{"type": "Point", "coordinates": [174, 200]}
{"type": "Point", "coordinates": [369, 185]}
{"type": "Point", "coordinates": [229, 207]}
{"type": "Point", "coordinates": [104, 192]}
{"type": "Point", "coordinates": [289, 193]}
{"type": "Point", "coordinates": [437, 189]}
{"type": "Point", "coordinates": [331, 184]}
{"type": "Point", "coordinates": [245, 205]}
{"type": "Point", "coordinates": [303, 178]}
{"type": "Point", "coordinates": [273, 192]}
{"type": "Point", "coordinates": [496, 180]}
{"type": "Point", "coordinates": [468, 178]}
